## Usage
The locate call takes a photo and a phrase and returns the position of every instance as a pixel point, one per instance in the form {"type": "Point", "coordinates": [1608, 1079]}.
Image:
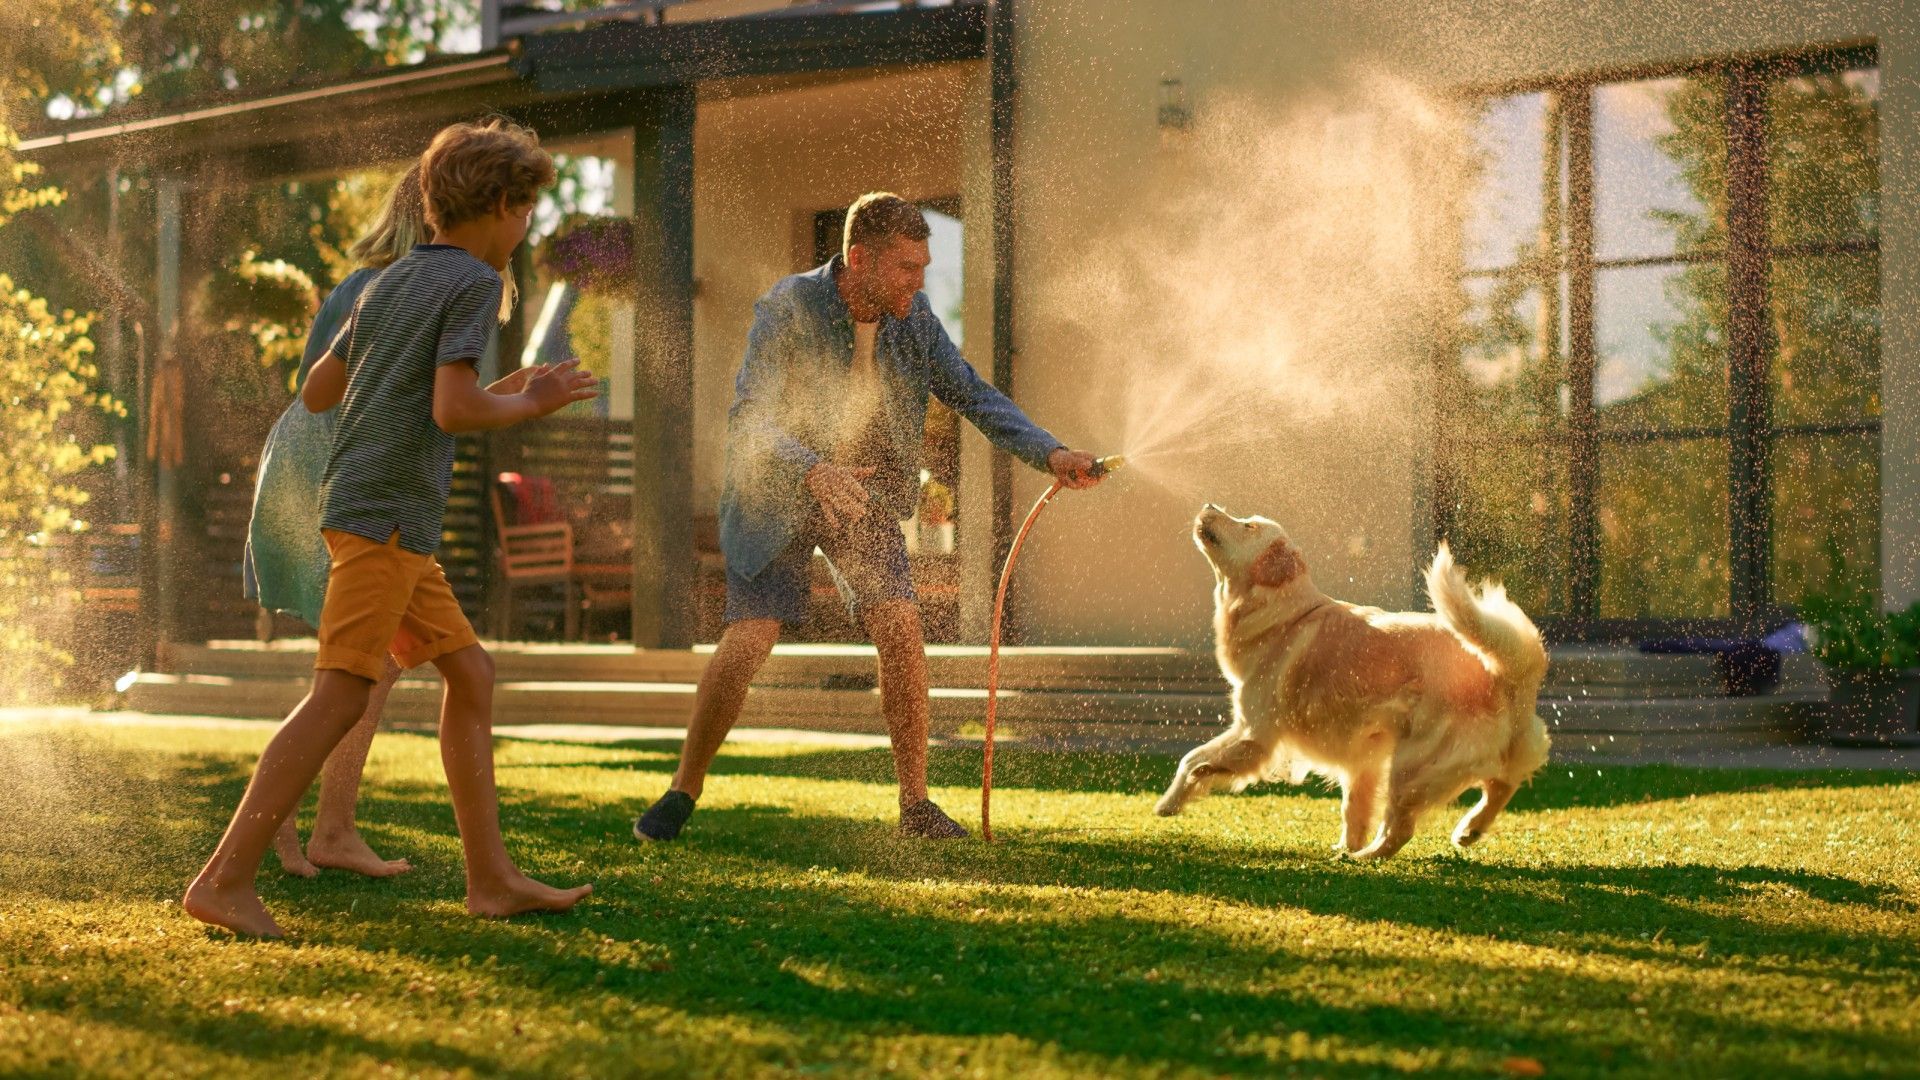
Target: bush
{"type": "Point", "coordinates": [45, 375]}
{"type": "Point", "coordinates": [1850, 632]}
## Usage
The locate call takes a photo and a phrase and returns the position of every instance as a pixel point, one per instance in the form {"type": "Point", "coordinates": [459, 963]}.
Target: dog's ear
{"type": "Point", "coordinates": [1278, 565]}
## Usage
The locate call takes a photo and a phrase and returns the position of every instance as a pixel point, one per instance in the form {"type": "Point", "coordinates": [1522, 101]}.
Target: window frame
{"type": "Point", "coordinates": [1749, 255]}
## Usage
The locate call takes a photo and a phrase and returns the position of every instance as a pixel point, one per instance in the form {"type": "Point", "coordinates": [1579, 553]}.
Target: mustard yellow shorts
{"type": "Point", "coordinates": [383, 598]}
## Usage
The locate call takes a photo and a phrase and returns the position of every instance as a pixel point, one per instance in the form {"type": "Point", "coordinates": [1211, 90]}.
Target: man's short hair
{"type": "Point", "coordinates": [881, 215]}
{"type": "Point", "coordinates": [469, 167]}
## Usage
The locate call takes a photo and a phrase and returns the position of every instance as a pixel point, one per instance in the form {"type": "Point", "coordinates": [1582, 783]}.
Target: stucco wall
{"type": "Point", "coordinates": [1143, 257]}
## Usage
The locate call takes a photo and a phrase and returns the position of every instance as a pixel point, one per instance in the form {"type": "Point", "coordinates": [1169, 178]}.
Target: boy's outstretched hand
{"type": "Point", "coordinates": [559, 386]}
{"type": "Point", "coordinates": [516, 381]}
{"type": "Point", "coordinates": [1073, 468]}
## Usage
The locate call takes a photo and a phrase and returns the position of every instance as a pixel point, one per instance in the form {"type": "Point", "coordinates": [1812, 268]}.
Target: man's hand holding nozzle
{"type": "Point", "coordinates": [1079, 469]}
{"type": "Point", "coordinates": [840, 490]}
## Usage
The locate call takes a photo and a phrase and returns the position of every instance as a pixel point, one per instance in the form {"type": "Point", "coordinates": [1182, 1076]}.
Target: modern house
{"type": "Point", "coordinates": [1623, 298]}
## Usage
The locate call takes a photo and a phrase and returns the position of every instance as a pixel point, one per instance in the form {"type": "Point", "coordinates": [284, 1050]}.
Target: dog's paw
{"type": "Point", "coordinates": [1465, 838]}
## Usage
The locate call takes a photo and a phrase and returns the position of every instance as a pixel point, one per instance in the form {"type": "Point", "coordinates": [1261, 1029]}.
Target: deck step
{"type": "Point", "coordinates": [1576, 672]}
{"type": "Point", "coordinates": [1589, 726]}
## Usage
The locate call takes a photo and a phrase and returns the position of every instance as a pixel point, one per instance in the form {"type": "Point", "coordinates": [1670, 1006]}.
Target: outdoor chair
{"type": "Point", "coordinates": [535, 548]}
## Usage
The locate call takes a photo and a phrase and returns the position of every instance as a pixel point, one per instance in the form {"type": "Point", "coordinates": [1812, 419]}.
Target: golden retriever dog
{"type": "Point", "coordinates": [1404, 710]}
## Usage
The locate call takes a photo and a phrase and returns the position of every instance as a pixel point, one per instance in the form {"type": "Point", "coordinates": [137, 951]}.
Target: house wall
{"type": "Point", "coordinates": [1248, 297]}
{"type": "Point", "coordinates": [767, 156]}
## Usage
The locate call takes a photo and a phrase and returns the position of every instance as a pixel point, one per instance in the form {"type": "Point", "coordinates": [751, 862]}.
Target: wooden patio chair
{"type": "Point", "coordinates": [110, 574]}
{"type": "Point", "coordinates": [534, 554]}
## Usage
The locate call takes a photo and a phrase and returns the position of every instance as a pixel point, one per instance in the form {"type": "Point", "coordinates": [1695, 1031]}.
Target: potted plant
{"type": "Point", "coordinates": [1872, 661]}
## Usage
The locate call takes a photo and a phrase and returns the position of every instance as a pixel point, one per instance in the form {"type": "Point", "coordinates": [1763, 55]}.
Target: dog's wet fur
{"type": "Point", "coordinates": [1403, 710]}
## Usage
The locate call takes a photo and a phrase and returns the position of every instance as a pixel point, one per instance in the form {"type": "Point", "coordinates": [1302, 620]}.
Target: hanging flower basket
{"type": "Point", "coordinates": [592, 254]}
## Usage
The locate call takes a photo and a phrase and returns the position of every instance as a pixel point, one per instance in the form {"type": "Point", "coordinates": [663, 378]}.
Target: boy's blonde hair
{"type": "Point", "coordinates": [470, 167]}
{"type": "Point", "coordinates": [401, 223]}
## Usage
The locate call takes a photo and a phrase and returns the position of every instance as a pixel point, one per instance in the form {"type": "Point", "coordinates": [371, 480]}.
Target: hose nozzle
{"type": "Point", "coordinates": [1108, 464]}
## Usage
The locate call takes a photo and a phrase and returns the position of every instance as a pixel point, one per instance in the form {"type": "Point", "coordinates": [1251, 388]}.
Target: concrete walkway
{"type": "Point", "coordinates": [1762, 757]}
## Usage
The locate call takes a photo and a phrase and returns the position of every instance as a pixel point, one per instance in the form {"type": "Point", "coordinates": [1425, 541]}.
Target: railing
{"type": "Point", "coordinates": [504, 20]}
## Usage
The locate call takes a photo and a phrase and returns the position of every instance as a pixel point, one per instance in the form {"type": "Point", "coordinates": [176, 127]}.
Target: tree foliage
{"type": "Point", "coordinates": [46, 367]}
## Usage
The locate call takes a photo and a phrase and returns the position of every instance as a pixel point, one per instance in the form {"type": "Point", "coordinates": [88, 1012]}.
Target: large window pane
{"type": "Point", "coordinates": [1823, 158]}
{"type": "Point", "coordinates": [1505, 211]}
{"type": "Point", "coordinates": [1659, 168]}
{"type": "Point", "coordinates": [1663, 529]}
{"type": "Point", "coordinates": [1661, 348]}
{"type": "Point", "coordinates": [1826, 514]}
{"type": "Point", "coordinates": [1511, 381]}
{"type": "Point", "coordinates": [1826, 339]}
{"type": "Point", "coordinates": [1510, 521]}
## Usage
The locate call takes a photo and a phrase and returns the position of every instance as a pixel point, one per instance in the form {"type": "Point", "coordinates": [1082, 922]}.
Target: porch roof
{"type": "Point", "coordinates": [359, 119]}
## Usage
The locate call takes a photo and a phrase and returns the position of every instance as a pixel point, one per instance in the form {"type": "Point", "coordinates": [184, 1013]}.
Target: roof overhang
{"type": "Point", "coordinates": [626, 57]}
{"type": "Point", "coordinates": [563, 83]}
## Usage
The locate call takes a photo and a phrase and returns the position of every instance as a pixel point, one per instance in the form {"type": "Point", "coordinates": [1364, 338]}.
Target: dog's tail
{"type": "Point", "coordinates": [1487, 620]}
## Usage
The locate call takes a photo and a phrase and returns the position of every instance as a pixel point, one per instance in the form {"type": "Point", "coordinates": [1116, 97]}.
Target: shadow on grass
{"type": "Point", "coordinates": [1147, 774]}
{"type": "Point", "coordinates": [780, 925]}
{"type": "Point", "coordinates": [1150, 991]}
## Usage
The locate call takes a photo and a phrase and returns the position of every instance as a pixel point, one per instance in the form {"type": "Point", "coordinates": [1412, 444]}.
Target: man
{"type": "Point", "coordinates": [823, 449]}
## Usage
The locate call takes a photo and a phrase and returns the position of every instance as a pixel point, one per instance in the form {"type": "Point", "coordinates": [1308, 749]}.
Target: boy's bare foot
{"type": "Point", "coordinates": [348, 851]}
{"type": "Point", "coordinates": [521, 895]}
{"type": "Point", "coordinates": [238, 910]}
{"type": "Point", "coordinates": [286, 844]}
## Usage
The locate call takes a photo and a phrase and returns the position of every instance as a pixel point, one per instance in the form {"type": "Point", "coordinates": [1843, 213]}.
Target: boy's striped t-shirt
{"type": "Point", "coordinates": [391, 466]}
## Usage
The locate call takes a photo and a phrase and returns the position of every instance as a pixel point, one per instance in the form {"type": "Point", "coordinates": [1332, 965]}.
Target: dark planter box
{"type": "Point", "coordinates": [1873, 707]}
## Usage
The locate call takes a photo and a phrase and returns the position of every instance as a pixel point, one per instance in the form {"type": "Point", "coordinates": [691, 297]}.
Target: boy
{"type": "Point", "coordinates": [404, 372]}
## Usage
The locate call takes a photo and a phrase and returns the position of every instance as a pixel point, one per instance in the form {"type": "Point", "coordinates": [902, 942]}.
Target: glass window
{"type": "Point", "coordinates": [1823, 158]}
{"type": "Point", "coordinates": [1662, 515]}
{"type": "Point", "coordinates": [1659, 168]}
{"type": "Point", "coordinates": [1825, 367]}
{"type": "Point", "coordinates": [1506, 207]}
{"type": "Point", "coordinates": [1826, 514]}
{"type": "Point", "coordinates": [1660, 352]}
{"type": "Point", "coordinates": [1662, 362]}
{"type": "Point", "coordinates": [1511, 521]}
{"type": "Point", "coordinates": [1511, 380]}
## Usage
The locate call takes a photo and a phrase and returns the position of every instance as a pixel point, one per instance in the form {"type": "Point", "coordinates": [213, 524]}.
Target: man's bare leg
{"type": "Point", "coordinates": [495, 886]}
{"type": "Point", "coordinates": [743, 648]}
{"type": "Point", "coordinates": [336, 840]}
{"type": "Point", "coordinates": [894, 628]}
{"type": "Point", "coordinates": [223, 893]}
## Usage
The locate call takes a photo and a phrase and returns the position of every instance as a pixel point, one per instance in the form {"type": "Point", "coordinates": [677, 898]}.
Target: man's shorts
{"type": "Point", "coordinates": [382, 597]}
{"type": "Point", "coordinates": [868, 559]}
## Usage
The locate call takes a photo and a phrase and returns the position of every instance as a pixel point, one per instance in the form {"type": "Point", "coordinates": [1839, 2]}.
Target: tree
{"type": "Point", "coordinates": [46, 373]}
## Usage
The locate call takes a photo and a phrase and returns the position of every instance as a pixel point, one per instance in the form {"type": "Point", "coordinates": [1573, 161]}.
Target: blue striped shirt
{"type": "Point", "coordinates": [391, 465]}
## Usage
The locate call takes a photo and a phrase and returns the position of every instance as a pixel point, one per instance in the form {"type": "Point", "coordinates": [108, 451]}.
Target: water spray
{"type": "Point", "coordinates": [1101, 467]}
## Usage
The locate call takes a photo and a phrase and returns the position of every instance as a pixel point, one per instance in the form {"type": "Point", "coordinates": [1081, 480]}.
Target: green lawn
{"type": "Point", "coordinates": [1650, 920]}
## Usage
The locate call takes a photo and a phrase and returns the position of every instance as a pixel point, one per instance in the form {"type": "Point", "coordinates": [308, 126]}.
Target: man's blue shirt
{"type": "Point", "coordinates": [785, 415]}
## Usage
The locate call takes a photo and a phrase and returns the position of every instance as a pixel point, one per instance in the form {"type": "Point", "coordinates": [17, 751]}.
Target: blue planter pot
{"type": "Point", "coordinates": [1873, 707]}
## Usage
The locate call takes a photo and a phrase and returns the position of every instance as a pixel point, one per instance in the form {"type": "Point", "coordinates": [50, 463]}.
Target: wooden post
{"type": "Point", "coordinates": [664, 572]}
{"type": "Point", "coordinates": [1003, 79]}
{"type": "Point", "coordinates": [160, 532]}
